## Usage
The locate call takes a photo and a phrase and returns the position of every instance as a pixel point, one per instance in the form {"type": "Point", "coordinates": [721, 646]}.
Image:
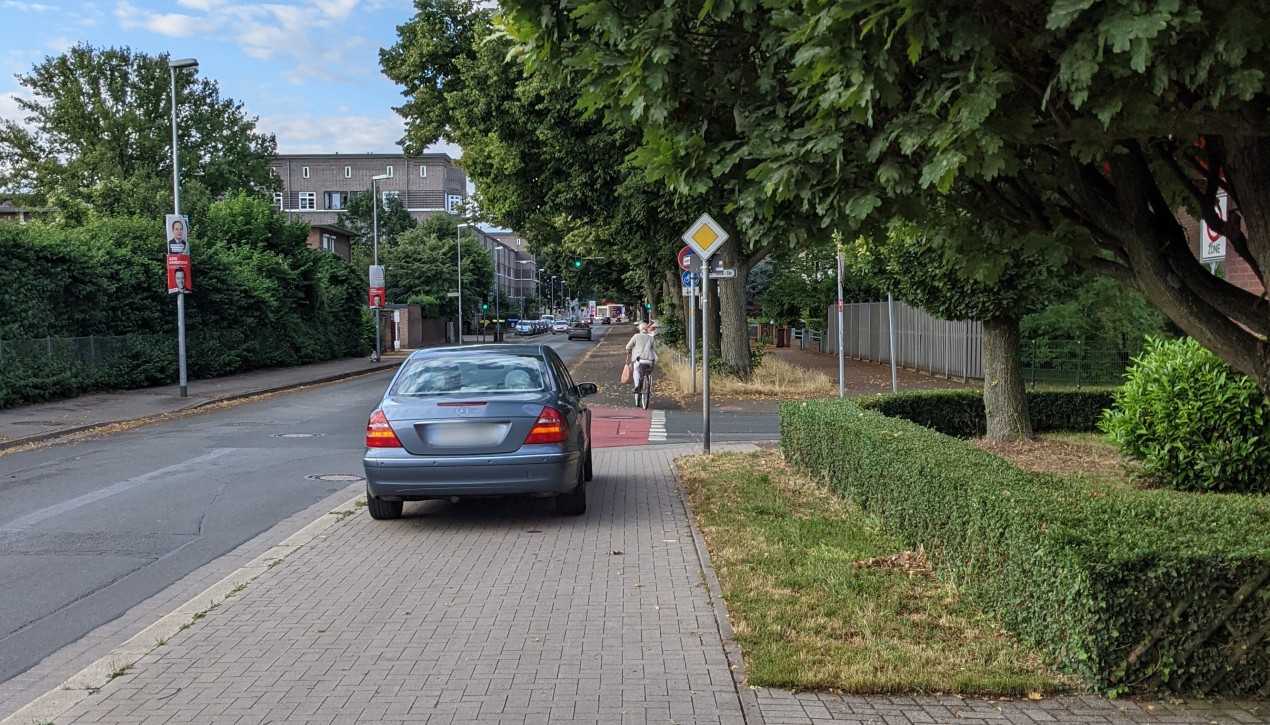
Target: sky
{"type": "Point", "coordinates": [307, 69]}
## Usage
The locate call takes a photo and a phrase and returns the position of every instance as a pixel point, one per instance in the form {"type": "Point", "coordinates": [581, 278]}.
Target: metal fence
{"type": "Point", "coordinates": [91, 350]}
{"type": "Point", "coordinates": [954, 348]}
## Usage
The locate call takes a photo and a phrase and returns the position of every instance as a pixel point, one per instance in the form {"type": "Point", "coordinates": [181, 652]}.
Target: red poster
{"type": "Point", "coordinates": [179, 277]}
{"type": "Point", "coordinates": [376, 297]}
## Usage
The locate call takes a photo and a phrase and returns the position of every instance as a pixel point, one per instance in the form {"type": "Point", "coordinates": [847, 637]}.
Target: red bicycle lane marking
{"type": "Point", "coordinates": [613, 427]}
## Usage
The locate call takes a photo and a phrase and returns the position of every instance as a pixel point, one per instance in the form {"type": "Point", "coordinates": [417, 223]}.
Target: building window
{"type": "Point", "coordinates": [388, 172]}
{"type": "Point", "coordinates": [328, 242]}
{"type": "Point", "coordinates": [304, 172]}
{"type": "Point", "coordinates": [277, 199]}
{"type": "Point", "coordinates": [453, 202]}
{"type": "Point", "coordinates": [386, 195]}
{"type": "Point", "coordinates": [308, 200]}
{"type": "Point", "coordinates": [423, 172]}
{"type": "Point", "coordinates": [348, 172]}
{"type": "Point", "coordinates": [335, 200]}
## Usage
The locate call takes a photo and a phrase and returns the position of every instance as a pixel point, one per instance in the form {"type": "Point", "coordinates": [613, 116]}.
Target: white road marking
{"type": "Point", "coordinates": [35, 517]}
{"type": "Point", "coordinates": [657, 426]}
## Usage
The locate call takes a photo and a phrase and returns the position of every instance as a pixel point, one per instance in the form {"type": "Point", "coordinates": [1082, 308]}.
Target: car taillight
{"type": "Point", "coordinates": [379, 434]}
{"type": "Point", "coordinates": [549, 428]}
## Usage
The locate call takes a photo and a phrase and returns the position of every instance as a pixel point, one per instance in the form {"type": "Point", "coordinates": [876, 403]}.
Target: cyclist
{"type": "Point", "coordinates": [642, 353]}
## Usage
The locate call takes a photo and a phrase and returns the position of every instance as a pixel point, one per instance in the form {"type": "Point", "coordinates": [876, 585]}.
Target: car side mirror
{"type": "Point", "coordinates": [585, 389]}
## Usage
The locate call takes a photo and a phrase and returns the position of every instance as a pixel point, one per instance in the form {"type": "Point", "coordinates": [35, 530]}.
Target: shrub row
{"type": "Point", "coordinates": [260, 298]}
{"type": "Point", "coordinates": [960, 413]}
{"type": "Point", "coordinates": [1123, 587]}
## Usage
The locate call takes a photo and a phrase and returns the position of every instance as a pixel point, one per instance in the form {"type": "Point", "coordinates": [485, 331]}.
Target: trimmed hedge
{"type": "Point", "coordinates": [260, 298]}
{"type": "Point", "coordinates": [960, 413]}
{"type": "Point", "coordinates": [1126, 588]}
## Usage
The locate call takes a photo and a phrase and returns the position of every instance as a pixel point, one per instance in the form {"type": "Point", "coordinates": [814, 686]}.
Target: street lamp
{"type": "Point", "coordinates": [497, 249]}
{"type": "Point", "coordinates": [176, 204]}
{"type": "Point", "coordinates": [458, 240]}
{"type": "Point", "coordinates": [374, 227]}
{"type": "Point", "coordinates": [553, 293]}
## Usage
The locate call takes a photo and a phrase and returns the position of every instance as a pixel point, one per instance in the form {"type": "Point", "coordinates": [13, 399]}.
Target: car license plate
{"type": "Point", "coordinates": [451, 435]}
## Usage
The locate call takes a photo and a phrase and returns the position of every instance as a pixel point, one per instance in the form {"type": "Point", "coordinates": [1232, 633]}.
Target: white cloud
{"type": "Point", "coordinates": [59, 45]}
{"type": "Point", "coordinates": [29, 7]}
{"type": "Point", "coordinates": [307, 134]}
{"type": "Point", "coordinates": [9, 109]}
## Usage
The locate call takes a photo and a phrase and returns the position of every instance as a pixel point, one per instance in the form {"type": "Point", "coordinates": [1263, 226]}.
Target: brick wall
{"type": "Point", "coordinates": [1235, 268]}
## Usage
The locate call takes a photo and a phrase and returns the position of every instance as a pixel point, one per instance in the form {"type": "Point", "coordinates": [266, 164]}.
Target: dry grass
{"type": "Point", "coordinates": [1066, 454]}
{"type": "Point", "coordinates": [773, 379]}
{"type": "Point", "coordinates": [821, 596]}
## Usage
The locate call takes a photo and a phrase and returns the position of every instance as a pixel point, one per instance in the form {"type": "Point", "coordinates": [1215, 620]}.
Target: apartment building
{"type": "Point", "coordinates": [317, 187]}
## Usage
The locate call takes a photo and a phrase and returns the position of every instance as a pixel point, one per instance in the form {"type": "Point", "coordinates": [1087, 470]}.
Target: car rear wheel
{"type": "Point", "coordinates": [381, 510]}
{"type": "Point", "coordinates": [574, 502]}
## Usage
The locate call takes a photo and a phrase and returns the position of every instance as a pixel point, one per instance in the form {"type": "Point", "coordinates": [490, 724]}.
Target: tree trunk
{"type": "Point", "coordinates": [735, 350]}
{"type": "Point", "coordinates": [710, 323]}
{"type": "Point", "coordinates": [1004, 391]}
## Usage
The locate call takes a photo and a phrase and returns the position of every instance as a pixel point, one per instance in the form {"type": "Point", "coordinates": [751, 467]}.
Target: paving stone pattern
{"type": "Point", "coordinates": [506, 612]}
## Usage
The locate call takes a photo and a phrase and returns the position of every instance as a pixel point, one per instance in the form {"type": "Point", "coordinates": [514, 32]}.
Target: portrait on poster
{"type": "Point", "coordinates": [178, 226]}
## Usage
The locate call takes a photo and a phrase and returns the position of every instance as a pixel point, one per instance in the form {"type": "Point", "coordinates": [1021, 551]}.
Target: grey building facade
{"type": "Point", "coordinates": [317, 187]}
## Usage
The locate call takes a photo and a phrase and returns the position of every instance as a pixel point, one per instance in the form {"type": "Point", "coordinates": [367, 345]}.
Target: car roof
{"type": "Point", "coordinates": [503, 348]}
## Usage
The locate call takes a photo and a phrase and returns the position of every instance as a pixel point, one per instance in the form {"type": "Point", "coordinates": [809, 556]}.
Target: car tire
{"type": "Point", "coordinates": [382, 510]}
{"type": "Point", "coordinates": [574, 502]}
{"type": "Point", "coordinates": [588, 470]}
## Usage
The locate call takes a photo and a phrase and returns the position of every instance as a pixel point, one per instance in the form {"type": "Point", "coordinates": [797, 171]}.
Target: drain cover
{"type": "Point", "coordinates": [344, 477]}
{"type": "Point", "coordinates": [297, 435]}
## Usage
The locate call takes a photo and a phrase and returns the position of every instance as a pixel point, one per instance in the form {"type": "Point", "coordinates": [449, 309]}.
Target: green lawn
{"type": "Point", "coordinates": [822, 597]}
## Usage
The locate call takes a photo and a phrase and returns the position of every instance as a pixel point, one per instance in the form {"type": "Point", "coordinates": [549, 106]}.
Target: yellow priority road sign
{"type": "Point", "coordinates": [705, 236]}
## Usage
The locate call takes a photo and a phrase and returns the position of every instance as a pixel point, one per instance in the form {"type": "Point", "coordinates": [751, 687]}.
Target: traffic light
{"type": "Point", "coordinates": [648, 305]}
{"type": "Point", "coordinates": [577, 263]}
{"type": "Point", "coordinates": [484, 305]}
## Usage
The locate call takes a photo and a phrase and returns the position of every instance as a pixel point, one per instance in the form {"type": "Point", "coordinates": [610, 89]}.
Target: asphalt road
{"type": "Point", "coordinates": [90, 530]}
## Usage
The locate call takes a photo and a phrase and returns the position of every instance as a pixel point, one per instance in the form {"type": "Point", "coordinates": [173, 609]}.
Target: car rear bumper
{"type": "Point", "coordinates": [394, 474]}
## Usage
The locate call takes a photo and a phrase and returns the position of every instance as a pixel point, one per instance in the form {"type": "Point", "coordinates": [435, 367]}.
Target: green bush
{"type": "Point", "coordinates": [259, 298]}
{"type": "Point", "coordinates": [960, 413]}
{"type": "Point", "coordinates": [1195, 424]}
{"type": "Point", "coordinates": [1127, 588]}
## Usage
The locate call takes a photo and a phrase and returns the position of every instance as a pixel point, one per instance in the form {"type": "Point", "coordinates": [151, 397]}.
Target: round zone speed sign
{"type": "Point", "coordinates": [685, 258]}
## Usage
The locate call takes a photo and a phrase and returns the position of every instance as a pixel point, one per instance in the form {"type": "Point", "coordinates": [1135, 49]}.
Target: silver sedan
{"type": "Point", "coordinates": [477, 421]}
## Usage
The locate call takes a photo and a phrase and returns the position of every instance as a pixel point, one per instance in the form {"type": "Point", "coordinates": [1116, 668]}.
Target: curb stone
{"type": "Point", "coordinates": [92, 678]}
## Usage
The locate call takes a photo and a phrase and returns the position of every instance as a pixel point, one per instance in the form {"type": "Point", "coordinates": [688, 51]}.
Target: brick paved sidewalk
{"type": "Point", "coordinates": [505, 612]}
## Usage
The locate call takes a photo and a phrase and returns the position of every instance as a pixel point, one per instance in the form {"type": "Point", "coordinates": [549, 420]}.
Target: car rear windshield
{"type": "Point", "coordinates": [480, 372]}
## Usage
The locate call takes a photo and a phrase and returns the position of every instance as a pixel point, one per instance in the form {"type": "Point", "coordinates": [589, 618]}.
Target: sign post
{"type": "Point", "coordinates": [842, 358]}
{"type": "Point", "coordinates": [705, 236]}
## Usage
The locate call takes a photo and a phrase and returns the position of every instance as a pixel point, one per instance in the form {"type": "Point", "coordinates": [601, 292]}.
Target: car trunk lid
{"type": "Point", "coordinates": [464, 425]}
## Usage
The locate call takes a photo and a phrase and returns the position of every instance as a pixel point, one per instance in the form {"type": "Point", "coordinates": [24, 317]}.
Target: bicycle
{"type": "Point", "coordinates": [644, 393]}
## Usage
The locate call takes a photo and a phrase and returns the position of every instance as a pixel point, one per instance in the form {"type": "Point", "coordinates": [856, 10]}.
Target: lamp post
{"type": "Point", "coordinates": [458, 242]}
{"type": "Point", "coordinates": [176, 209]}
{"type": "Point", "coordinates": [553, 293]}
{"type": "Point", "coordinates": [374, 230]}
{"type": "Point", "coordinates": [497, 325]}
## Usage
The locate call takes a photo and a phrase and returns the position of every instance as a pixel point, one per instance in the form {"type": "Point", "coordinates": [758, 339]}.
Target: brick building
{"type": "Point", "coordinates": [317, 187]}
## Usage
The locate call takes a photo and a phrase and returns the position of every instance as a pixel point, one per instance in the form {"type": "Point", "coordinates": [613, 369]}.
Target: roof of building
{"type": "Point", "coordinates": [437, 156]}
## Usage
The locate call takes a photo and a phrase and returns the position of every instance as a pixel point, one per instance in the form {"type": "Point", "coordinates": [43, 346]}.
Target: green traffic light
{"type": "Point", "coordinates": [577, 263]}
{"type": "Point", "coordinates": [484, 306]}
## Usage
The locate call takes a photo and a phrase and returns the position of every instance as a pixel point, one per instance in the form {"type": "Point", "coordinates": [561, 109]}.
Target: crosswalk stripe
{"type": "Point", "coordinates": [657, 426]}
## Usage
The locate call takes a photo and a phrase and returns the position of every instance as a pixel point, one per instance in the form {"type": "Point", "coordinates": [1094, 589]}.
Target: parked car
{"type": "Point", "coordinates": [525, 328]}
{"type": "Point", "coordinates": [580, 331]}
{"type": "Point", "coordinates": [606, 320]}
{"type": "Point", "coordinates": [479, 421]}
{"type": "Point", "coordinates": [559, 326]}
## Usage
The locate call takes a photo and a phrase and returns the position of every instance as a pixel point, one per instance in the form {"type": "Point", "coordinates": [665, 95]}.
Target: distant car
{"type": "Point", "coordinates": [580, 331]}
{"type": "Point", "coordinates": [559, 326]}
{"type": "Point", "coordinates": [478, 421]}
{"type": "Point", "coordinates": [525, 328]}
{"type": "Point", "coordinates": [606, 320]}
